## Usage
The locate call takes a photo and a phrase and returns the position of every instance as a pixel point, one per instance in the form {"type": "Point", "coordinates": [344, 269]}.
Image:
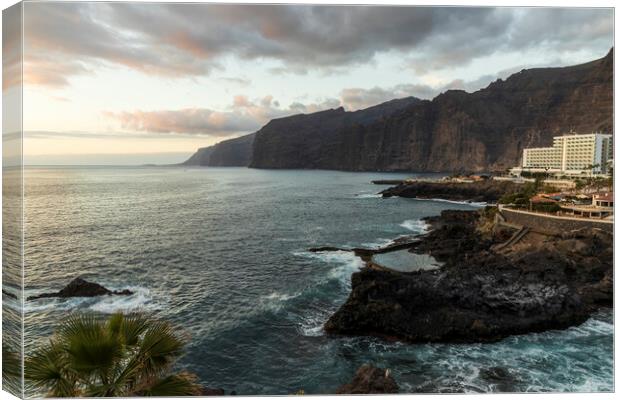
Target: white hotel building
{"type": "Point", "coordinates": [570, 154]}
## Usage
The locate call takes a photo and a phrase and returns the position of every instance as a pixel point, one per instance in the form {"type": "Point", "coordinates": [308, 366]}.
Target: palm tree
{"type": "Point", "coordinates": [118, 356]}
{"type": "Point", "coordinates": [11, 369]}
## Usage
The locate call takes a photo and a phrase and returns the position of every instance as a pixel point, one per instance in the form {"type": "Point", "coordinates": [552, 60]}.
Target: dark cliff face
{"type": "Point", "coordinates": [229, 153]}
{"type": "Point", "coordinates": [484, 130]}
{"type": "Point", "coordinates": [314, 140]}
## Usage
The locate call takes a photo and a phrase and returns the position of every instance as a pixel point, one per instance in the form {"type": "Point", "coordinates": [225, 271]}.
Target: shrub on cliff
{"type": "Point", "coordinates": [118, 356]}
{"type": "Point", "coordinates": [522, 197]}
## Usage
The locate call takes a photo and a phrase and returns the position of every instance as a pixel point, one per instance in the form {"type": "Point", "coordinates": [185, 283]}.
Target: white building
{"type": "Point", "coordinates": [570, 154]}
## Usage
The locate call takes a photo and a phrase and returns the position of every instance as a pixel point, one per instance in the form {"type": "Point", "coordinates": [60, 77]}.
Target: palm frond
{"type": "Point", "coordinates": [132, 327]}
{"type": "Point", "coordinates": [11, 365]}
{"type": "Point", "coordinates": [122, 355]}
{"type": "Point", "coordinates": [91, 348]}
{"type": "Point", "coordinates": [46, 369]}
{"type": "Point", "coordinates": [160, 346]}
{"type": "Point", "coordinates": [181, 384]}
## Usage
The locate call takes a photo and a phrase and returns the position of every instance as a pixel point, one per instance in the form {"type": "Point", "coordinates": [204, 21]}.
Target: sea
{"type": "Point", "coordinates": [222, 253]}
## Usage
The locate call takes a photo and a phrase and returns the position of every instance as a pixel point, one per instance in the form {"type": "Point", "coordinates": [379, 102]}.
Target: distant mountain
{"type": "Point", "coordinates": [311, 128]}
{"type": "Point", "coordinates": [229, 153]}
{"type": "Point", "coordinates": [456, 131]}
{"type": "Point", "coordinates": [480, 131]}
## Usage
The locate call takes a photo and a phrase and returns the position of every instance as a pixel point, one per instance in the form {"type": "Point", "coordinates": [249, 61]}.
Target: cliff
{"type": "Point", "coordinates": [313, 130]}
{"type": "Point", "coordinates": [229, 153]}
{"type": "Point", "coordinates": [480, 131]}
{"type": "Point", "coordinates": [314, 141]}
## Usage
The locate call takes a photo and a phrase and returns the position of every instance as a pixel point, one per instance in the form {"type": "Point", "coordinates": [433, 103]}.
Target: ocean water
{"type": "Point", "coordinates": [222, 253]}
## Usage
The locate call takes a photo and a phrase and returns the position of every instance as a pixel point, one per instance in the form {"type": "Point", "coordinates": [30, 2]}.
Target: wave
{"type": "Point", "coordinates": [141, 299]}
{"type": "Point", "coordinates": [346, 262]}
{"type": "Point", "coordinates": [468, 203]}
{"type": "Point", "coordinates": [312, 323]}
{"type": "Point", "coordinates": [368, 196]}
{"type": "Point", "coordinates": [379, 243]}
{"type": "Point", "coordinates": [276, 300]}
{"type": "Point", "coordinates": [343, 264]}
{"type": "Point", "coordinates": [416, 225]}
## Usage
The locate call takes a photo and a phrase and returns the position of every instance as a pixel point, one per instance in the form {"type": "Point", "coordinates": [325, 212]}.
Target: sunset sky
{"type": "Point", "coordinates": [132, 83]}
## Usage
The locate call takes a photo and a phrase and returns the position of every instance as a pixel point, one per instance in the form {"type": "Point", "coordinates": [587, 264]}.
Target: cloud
{"type": "Point", "coordinates": [235, 80]}
{"type": "Point", "coordinates": [11, 47]}
{"type": "Point", "coordinates": [243, 115]}
{"type": "Point", "coordinates": [549, 30]}
{"type": "Point", "coordinates": [189, 40]}
{"type": "Point", "coordinates": [189, 120]}
{"type": "Point", "coordinates": [358, 98]}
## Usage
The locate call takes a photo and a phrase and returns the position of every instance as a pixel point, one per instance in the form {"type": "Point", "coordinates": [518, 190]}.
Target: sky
{"type": "Point", "coordinates": [133, 83]}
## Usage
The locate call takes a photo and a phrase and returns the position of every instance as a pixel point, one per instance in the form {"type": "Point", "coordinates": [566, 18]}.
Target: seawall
{"type": "Point", "coordinates": [551, 224]}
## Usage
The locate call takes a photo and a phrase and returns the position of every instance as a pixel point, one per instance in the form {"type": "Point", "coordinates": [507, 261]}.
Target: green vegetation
{"type": "Point", "coordinates": [523, 196]}
{"type": "Point", "coordinates": [547, 207]}
{"type": "Point", "coordinates": [597, 183]}
{"type": "Point", "coordinates": [118, 356]}
{"type": "Point", "coordinates": [536, 175]}
{"type": "Point", "coordinates": [11, 369]}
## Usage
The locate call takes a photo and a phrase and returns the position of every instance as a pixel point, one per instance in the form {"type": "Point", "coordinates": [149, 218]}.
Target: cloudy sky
{"type": "Point", "coordinates": [104, 81]}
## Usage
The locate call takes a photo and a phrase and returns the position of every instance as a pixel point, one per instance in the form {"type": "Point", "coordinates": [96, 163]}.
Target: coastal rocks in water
{"type": "Point", "coordinates": [489, 191]}
{"type": "Point", "coordinates": [479, 295]}
{"type": "Point", "coordinates": [365, 253]}
{"type": "Point", "coordinates": [206, 391]}
{"type": "Point", "coordinates": [370, 380]}
{"type": "Point", "coordinates": [81, 288]}
{"type": "Point", "coordinates": [500, 378]}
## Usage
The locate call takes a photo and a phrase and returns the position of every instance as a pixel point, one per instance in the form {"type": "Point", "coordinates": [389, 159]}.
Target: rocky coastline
{"type": "Point", "coordinates": [488, 191]}
{"type": "Point", "coordinates": [480, 294]}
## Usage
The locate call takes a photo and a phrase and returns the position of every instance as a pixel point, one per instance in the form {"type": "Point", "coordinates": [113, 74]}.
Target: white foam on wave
{"type": "Point", "coordinates": [368, 196]}
{"type": "Point", "coordinates": [141, 299]}
{"type": "Point", "coordinates": [468, 203]}
{"type": "Point", "coordinates": [276, 300]}
{"type": "Point", "coordinates": [379, 243]}
{"type": "Point", "coordinates": [344, 263]}
{"type": "Point", "coordinates": [312, 323]}
{"type": "Point", "coordinates": [415, 225]}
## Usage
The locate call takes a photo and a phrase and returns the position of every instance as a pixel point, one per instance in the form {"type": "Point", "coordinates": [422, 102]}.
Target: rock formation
{"type": "Point", "coordinates": [483, 191]}
{"type": "Point", "coordinates": [207, 391]}
{"type": "Point", "coordinates": [370, 380]}
{"type": "Point", "coordinates": [479, 295]}
{"type": "Point", "coordinates": [81, 288]}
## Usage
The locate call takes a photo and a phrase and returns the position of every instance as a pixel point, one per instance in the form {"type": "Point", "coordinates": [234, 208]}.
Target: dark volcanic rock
{"type": "Point", "coordinates": [206, 391]}
{"type": "Point", "coordinates": [488, 190]}
{"type": "Point", "coordinates": [499, 377]}
{"type": "Point", "coordinates": [81, 288]}
{"type": "Point", "coordinates": [479, 295]}
{"type": "Point", "coordinates": [369, 380]}
{"type": "Point", "coordinates": [456, 131]}
{"type": "Point", "coordinates": [229, 153]}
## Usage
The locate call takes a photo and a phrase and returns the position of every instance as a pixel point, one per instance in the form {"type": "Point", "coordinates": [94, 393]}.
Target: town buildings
{"type": "Point", "coordinates": [571, 154]}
